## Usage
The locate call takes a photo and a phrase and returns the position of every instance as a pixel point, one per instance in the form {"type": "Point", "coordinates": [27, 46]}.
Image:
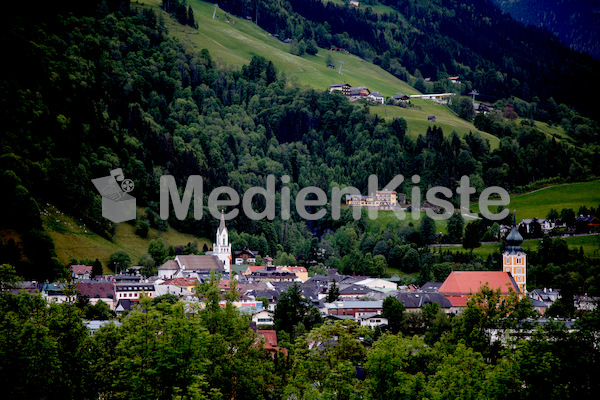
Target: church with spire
{"type": "Point", "coordinates": [222, 247]}
{"type": "Point", "coordinates": [514, 259]}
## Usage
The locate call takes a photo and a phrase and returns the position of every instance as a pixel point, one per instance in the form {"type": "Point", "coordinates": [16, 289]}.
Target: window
{"type": "Point", "coordinates": [519, 270]}
{"type": "Point", "coordinates": [519, 261]}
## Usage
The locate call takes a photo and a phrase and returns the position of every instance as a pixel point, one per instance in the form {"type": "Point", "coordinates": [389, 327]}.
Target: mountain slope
{"type": "Point", "coordinates": [235, 41]}
{"type": "Point", "coordinates": [575, 22]}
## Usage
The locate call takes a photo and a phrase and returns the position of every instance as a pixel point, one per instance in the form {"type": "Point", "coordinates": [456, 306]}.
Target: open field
{"type": "Point", "coordinates": [416, 118]}
{"type": "Point", "coordinates": [234, 41]}
{"type": "Point", "coordinates": [72, 239]}
{"type": "Point", "coordinates": [539, 202]}
{"type": "Point", "coordinates": [551, 131]}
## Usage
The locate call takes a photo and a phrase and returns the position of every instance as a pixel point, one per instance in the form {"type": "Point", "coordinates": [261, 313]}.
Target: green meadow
{"type": "Point", "coordinates": [536, 204]}
{"type": "Point", "coordinates": [72, 239]}
{"type": "Point", "coordinates": [416, 118]}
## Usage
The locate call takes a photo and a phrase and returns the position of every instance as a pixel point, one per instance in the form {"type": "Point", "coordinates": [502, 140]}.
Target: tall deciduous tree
{"type": "Point", "coordinates": [119, 261]}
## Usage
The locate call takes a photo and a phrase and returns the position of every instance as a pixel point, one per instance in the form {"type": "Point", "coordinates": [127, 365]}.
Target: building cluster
{"type": "Point", "coordinates": [381, 200]}
{"type": "Point", "coordinates": [582, 224]}
{"type": "Point", "coordinates": [357, 92]}
{"type": "Point", "coordinates": [358, 298]}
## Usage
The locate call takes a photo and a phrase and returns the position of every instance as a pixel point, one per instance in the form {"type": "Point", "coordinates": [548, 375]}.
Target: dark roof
{"type": "Point", "coordinates": [31, 287]}
{"type": "Point", "coordinates": [269, 294]}
{"type": "Point", "coordinates": [514, 239]}
{"type": "Point", "coordinates": [418, 300]}
{"type": "Point", "coordinates": [312, 291]}
{"type": "Point", "coordinates": [431, 286]}
{"type": "Point", "coordinates": [251, 253]}
{"type": "Point", "coordinates": [222, 224]}
{"type": "Point", "coordinates": [272, 272]}
{"type": "Point", "coordinates": [104, 290]}
{"type": "Point", "coordinates": [128, 287]}
{"type": "Point", "coordinates": [355, 90]}
{"type": "Point", "coordinates": [281, 286]}
{"type": "Point", "coordinates": [355, 290]}
{"type": "Point", "coordinates": [127, 277]}
{"type": "Point", "coordinates": [126, 304]}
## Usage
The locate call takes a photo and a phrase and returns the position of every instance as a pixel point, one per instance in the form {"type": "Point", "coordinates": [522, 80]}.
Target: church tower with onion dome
{"type": "Point", "coordinates": [514, 259]}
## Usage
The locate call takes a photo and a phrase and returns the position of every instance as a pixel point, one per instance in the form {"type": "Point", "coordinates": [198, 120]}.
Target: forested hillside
{"type": "Point", "coordinates": [103, 87]}
{"type": "Point", "coordinates": [575, 22]}
{"type": "Point", "coordinates": [473, 39]}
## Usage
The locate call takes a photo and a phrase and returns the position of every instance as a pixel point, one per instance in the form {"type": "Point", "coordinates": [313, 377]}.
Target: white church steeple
{"type": "Point", "coordinates": [222, 248]}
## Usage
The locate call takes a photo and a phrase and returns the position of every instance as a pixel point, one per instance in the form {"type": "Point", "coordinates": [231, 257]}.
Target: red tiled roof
{"type": "Point", "coordinates": [253, 268]}
{"type": "Point", "coordinates": [81, 269]}
{"type": "Point", "coordinates": [460, 301]}
{"type": "Point", "coordinates": [466, 282]}
{"type": "Point", "coordinates": [181, 282]}
{"type": "Point", "coordinates": [224, 284]}
{"type": "Point", "coordinates": [296, 269]}
{"type": "Point", "coordinates": [270, 337]}
{"type": "Point", "coordinates": [270, 345]}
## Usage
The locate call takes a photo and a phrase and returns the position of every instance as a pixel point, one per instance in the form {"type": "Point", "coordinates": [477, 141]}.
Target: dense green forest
{"type": "Point", "coordinates": [100, 86]}
{"type": "Point", "coordinates": [169, 350]}
{"type": "Point", "coordinates": [575, 22]}
{"type": "Point", "coordinates": [490, 51]}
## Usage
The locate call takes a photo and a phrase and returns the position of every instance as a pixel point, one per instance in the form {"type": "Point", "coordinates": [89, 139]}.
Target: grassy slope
{"type": "Point", "coordinates": [234, 41]}
{"type": "Point", "coordinates": [72, 239]}
{"type": "Point", "coordinates": [416, 117]}
{"type": "Point", "coordinates": [550, 131]}
{"type": "Point", "coordinates": [590, 245]}
{"type": "Point", "coordinates": [538, 203]}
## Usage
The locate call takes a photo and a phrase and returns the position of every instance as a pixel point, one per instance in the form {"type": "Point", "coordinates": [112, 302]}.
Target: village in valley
{"type": "Point", "coordinates": [194, 200]}
{"type": "Point", "coordinates": [259, 284]}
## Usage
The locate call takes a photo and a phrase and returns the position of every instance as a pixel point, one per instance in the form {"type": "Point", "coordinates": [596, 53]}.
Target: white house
{"type": "Point", "coordinates": [263, 317]}
{"type": "Point", "coordinates": [133, 291]}
{"type": "Point", "coordinates": [546, 225]}
{"type": "Point", "coordinates": [372, 320]}
{"type": "Point", "coordinates": [376, 97]}
{"type": "Point", "coordinates": [81, 271]}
